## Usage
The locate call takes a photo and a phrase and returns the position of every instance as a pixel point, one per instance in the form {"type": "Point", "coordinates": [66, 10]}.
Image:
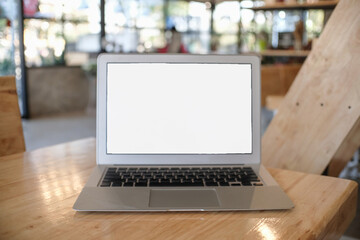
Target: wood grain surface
{"type": "Point", "coordinates": [11, 132]}
{"type": "Point", "coordinates": [39, 188]}
{"type": "Point", "coordinates": [323, 104]}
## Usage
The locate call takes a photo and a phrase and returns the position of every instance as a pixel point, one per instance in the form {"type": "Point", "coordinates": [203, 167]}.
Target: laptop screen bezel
{"type": "Point", "coordinates": [103, 158]}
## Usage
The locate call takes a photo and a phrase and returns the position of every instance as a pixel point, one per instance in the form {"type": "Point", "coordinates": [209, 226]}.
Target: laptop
{"type": "Point", "coordinates": [179, 133]}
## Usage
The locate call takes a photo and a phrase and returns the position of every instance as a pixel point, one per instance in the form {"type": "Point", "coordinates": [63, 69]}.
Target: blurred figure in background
{"type": "Point", "coordinates": [175, 45]}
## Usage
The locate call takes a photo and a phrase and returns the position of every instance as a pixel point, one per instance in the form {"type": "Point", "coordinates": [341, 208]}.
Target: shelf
{"type": "Point", "coordinates": [284, 53]}
{"type": "Point", "coordinates": [298, 6]}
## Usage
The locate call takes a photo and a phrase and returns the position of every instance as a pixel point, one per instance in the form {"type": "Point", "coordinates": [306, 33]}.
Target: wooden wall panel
{"type": "Point", "coordinates": [290, 72]}
{"type": "Point", "coordinates": [271, 82]}
{"type": "Point", "coordinates": [323, 103]}
{"type": "Point", "coordinates": [11, 132]}
{"type": "Point", "coordinates": [277, 79]}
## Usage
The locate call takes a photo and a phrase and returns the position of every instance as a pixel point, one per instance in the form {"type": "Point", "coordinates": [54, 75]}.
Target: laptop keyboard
{"type": "Point", "coordinates": [180, 177]}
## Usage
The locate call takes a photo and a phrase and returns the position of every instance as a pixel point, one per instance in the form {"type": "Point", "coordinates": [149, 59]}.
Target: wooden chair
{"type": "Point", "coordinates": [318, 121]}
{"type": "Point", "coordinates": [11, 132]}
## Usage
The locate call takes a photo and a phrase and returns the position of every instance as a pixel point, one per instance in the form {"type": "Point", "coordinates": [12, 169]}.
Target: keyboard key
{"type": "Point", "coordinates": [141, 184]}
{"type": "Point", "coordinates": [235, 184]}
{"type": "Point", "coordinates": [111, 174]}
{"type": "Point", "coordinates": [106, 184]}
{"type": "Point", "coordinates": [128, 184]}
{"type": "Point", "coordinates": [176, 184]}
{"type": "Point", "coordinates": [246, 184]}
{"type": "Point", "coordinates": [211, 184]}
{"type": "Point", "coordinates": [224, 184]}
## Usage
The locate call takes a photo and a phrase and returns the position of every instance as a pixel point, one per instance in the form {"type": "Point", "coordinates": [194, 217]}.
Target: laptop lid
{"type": "Point", "coordinates": [178, 109]}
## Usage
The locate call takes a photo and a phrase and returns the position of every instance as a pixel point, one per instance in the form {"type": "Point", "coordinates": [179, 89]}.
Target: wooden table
{"type": "Point", "coordinates": [39, 188]}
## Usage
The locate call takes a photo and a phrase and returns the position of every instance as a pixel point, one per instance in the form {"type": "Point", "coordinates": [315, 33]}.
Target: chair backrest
{"type": "Point", "coordinates": [11, 131]}
{"type": "Point", "coordinates": [321, 108]}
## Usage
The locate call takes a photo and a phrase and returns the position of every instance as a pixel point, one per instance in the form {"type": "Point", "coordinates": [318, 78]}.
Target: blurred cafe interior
{"type": "Point", "coordinates": [51, 45]}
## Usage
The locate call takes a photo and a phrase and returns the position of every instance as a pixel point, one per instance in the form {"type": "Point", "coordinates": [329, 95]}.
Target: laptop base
{"type": "Point", "coordinates": [231, 198]}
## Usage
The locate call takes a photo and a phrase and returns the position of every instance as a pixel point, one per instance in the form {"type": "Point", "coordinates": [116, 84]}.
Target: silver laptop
{"type": "Point", "coordinates": [179, 133]}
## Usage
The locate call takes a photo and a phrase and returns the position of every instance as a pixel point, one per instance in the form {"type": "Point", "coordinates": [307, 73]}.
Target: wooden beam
{"type": "Point", "coordinates": [323, 104]}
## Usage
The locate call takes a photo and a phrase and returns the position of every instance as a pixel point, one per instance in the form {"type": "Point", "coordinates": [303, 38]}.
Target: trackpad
{"type": "Point", "coordinates": [179, 198]}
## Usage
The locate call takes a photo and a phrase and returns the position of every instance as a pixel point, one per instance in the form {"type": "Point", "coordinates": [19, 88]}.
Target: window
{"type": "Point", "coordinates": [54, 29]}
{"type": "Point", "coordinates": [226, 27]}
{"type": "Point", "coordinates": [314, 23]}
{"type": "Point", "coordinates": [10, 47]}
{"type": "Point", "coordinates": [8, 44]}
{"type": "Point", "coordinates": [7, 65]}
{"type": "Point", "coordinates": [134, 26]}
{"type": "Point", "coordinates": [192, 19]}
{"type": "Point", "coordinates": [144, 25]}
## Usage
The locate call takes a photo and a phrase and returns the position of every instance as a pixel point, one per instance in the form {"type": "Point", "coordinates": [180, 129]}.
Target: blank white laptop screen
{"type": "Point", "coordinates": [168, 108]}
